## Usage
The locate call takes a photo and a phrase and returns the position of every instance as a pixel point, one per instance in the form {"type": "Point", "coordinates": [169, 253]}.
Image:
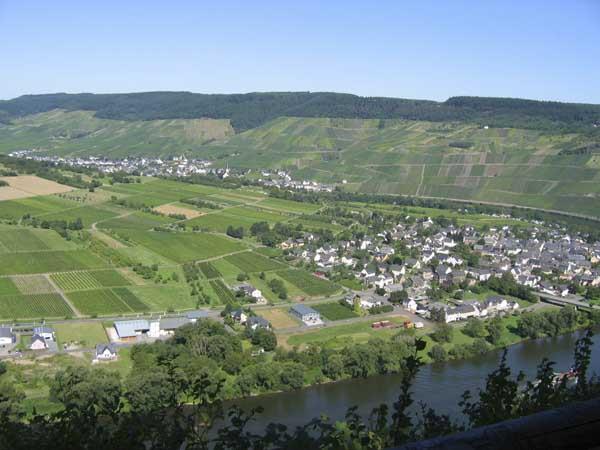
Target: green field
{"type": "Point", "coordinates": [309, 283]}
{"type": "Point", "coordinates": [223, 292]}
{"type": "Point", "coordinates": [7, 287]}
{"type": "Point", "coordinates": [75, 281]}
{"type": "Point", "coordinates": [183, 247]}
{"type": "Point", "coordinates": [252, 262]}
{"type": "Point", "coordinates": [164, 298]}
{"type": "Point", "coordinates": [343, 335]}
{"type": "Point", "coordinates": [334, 311]}
{"type": "Point", "coordinates": [109, 278]}
{"type": "Point", "coordinates": [33, 306]}
{"type": "Point", "coordinates": [86, 334]}
{"type": "Point", "coordinates": [208, 270]}
{"type": "Point", "coordinates": [103, 302]}
{"type": "Point", "coordinates": [49, 261]}
{"type": "Point", "coordinates": [240, 216]}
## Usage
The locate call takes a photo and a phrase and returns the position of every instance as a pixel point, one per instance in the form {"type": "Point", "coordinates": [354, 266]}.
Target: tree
{"type": "Point", "coordinates": [264, 338]}
{"type": "Point", "coordinates": [334, 366]}
{"type": "Point", "coordinates": [237, 233]}
{"type": "Point", "coordinates": [494, 328]}
{"type": "Point", "coordinates": [443, 333]}
{"type": "Point", "coordinates": [398, 296]}
{"type": "Point", "coordinates": [474, 328]}
{"type": "Point", "coordinates": [438, 353]}
{"type": "Point", "coordinates": [438, 315]}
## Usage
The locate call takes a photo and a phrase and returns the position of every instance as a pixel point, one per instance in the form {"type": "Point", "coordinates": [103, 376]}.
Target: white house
{"type": "Point", "coordinates": [461, 312]}
{"type": "Point", "coordinates": [106, 352]}
{"type": "Point", "coordinates": [38, 343]}
{"type": "Point", "coordinates": [410, 305]}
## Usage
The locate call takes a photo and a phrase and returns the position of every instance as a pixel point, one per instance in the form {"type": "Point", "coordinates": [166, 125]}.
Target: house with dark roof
{"type": "Point", "coordinates": [256, 322]}
{"type": "Point", "coordinates": [106, 352]}
{"type": "Point", "coordinates": [7, 337]}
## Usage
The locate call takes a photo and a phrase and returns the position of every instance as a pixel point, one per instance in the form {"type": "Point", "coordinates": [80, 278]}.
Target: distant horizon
{"type": "Point", "coordinates": [427, 49]}
{"type": "Point", "coordinates": [303, 90]}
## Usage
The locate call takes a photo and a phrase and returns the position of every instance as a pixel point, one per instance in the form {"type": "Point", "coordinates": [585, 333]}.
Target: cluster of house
{"type": "Point", "coordinates": [134, 329]}
{"type": "Point", "coordinates": [176, 166]}
{"type": "Point", "coordinates": [253, 322]}
{"type": "Point", "coordinates": [491, 306]}
{"type": "Point", "coordinates": [283, 180]}
{"type": "Point", "coordinates": [546, 261]}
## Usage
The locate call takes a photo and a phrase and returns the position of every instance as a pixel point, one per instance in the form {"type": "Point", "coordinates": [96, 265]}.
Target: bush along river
{"type": "Point", "coordinates": [439, 385]}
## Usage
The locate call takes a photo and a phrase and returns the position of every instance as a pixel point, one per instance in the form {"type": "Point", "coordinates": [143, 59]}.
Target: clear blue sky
{"type": "Point", "coordinates": [540, 49]}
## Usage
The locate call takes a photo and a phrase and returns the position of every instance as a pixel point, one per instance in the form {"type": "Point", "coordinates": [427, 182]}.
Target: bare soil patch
{"type": "Point", "coordinates": [31, 186]}
{"type": "Point", "coordinates": [174, 209]}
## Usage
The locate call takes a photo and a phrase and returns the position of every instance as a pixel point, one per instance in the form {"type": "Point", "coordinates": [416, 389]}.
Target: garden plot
{"type": "Point", "coordinates": [33, 284]}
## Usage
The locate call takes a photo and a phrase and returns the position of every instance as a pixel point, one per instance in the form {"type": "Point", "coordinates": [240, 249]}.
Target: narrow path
{"type": "Point", "coordinates": [422, 178]}
{"type": "Point", "coordinates": [62, 294]}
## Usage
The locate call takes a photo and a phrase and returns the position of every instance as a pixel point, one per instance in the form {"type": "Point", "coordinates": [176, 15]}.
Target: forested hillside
{"type": "Point", "coordinates": [248, 111]}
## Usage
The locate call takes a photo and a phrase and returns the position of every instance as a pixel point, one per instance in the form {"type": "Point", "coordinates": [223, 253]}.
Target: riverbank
{"type": "Point", "coordinates": [438, 385]}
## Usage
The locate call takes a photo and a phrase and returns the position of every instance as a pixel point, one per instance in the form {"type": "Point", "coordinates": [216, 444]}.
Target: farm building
{"type": "Point", "coordinates": [128, 329]}
{"type": "Point", "coordinates": [106, 352]}
{"type": "Point", "coordinates": [194, 316]}
{"type": "Point", "coordinates": [7, 337]}
{"type": "Point", "coordinates": [305, 313]}
{"type": "Point", "coordinates": [168, 325]}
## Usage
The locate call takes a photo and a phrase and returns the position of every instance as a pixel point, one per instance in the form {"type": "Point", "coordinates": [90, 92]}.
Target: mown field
{"type": "Point", "coordinates": [334, 311]}
{"type": "Point", "coordinates": [309, 283]}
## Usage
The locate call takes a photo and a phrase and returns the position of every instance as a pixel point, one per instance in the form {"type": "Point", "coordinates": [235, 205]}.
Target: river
{"type": "Point", "coordinates": [438, 385]}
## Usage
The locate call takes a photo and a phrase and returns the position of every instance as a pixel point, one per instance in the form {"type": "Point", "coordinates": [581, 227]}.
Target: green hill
{"type": "Point", "coordinates": [540, 154]}
{"type": "Point", "coordinates": [81, 133]}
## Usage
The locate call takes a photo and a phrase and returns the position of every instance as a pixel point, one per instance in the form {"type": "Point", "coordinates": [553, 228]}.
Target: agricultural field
{"type": "Point", "coordinates": [49, 261]}
{"type": "Point", "coordinates": [239, 216]}
{"type": "Point", "coordinates": [288, 206]}
{"type": "Point", "coordinates": [182, 247]}
{"type": "Point", "coordinates": [87, 214]}
{"type": "Point", "coordinates": [208, 270]}
{"type": "Point", "coordinates": [33, 306]}
{"type": "Point", "coordinates": [308, 283]}
{"type": "Point", "coordinates": [33, 284]}
{"type": "Point", "coordinates": [31, 186]}
{"type": "Point", "coordinates": [7, 287]}
{"type": "Point", "coordinates": [223, 292]}
{"type": "Point", "coordinates": [188, 212]}
{"type": "Point", "coordinates": [135, 220]}
{"type": "Point", "coordinates": [31, 240]}
{"type": "Point", "coordinates": [252, 262]}
{"type": "Point", "coordinates": [75, 281]}
{"type": "Point", "coordinates": [334, 311]}
{"type": "Point", "coordinates": [279, 318]}
{"type": "Point", "coordinates": [105, 302]}
{"type": "Point", "coordinates": [163, 298]}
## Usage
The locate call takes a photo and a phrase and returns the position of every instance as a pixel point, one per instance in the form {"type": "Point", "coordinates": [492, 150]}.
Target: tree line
{"type": "Point", "coordinates": [171, 400]}
{"type": "Point", "coordinates": [246, 111]}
